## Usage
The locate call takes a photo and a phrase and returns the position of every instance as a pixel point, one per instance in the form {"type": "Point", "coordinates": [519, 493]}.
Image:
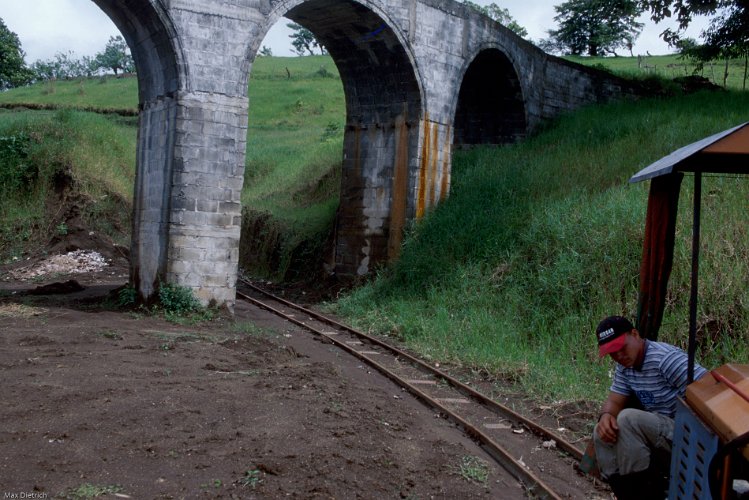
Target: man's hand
{"type": "Point", "coordinates": [607, 428]}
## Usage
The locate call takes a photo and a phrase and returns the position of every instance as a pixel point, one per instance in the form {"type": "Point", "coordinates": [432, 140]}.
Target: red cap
{"type": "Point", "coordinates": [611, 333]}
{"type": "Point", "coordinates": [612, 345]}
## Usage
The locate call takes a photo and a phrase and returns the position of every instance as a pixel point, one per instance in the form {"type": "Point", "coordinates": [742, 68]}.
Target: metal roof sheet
{"type": "Point", "coordinates": [726, 151]}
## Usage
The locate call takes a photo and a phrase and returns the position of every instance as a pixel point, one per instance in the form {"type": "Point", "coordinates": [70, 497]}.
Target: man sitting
{"type": "Point", "coordinates": [633, 446]}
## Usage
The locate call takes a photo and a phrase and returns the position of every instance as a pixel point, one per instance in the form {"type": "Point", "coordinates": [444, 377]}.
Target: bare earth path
{"type": "Point", "coordinates": [132, 406]}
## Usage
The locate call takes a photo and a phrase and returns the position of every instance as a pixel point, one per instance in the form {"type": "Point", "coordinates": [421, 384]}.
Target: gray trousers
{"type": "Point", "coordinates": [643, 437]}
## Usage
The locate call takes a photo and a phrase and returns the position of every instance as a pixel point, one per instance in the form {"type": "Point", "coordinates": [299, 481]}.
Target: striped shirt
{"type": "Point", "coordinates": [662, 377]}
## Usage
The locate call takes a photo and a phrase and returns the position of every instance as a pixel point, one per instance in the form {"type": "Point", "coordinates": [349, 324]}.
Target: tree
{"type": "Point", "coordinates": [304, 40]}
{"type": "Point", "coordinates": [64, 66]}
{"type": "Point", "coordinates": [116, 56]}
{"type": "Point", "coordinates": [726, 37]}
{"type": "Point", "coordinates": [265, 51]}
{"type": "Point", "coordinates": [13, 70]}
{"type": "Point", "coordinates": [683, 10]}
{"type": "Point", "coordinates": [595, 27]}
{"type": "Point", "coordinates": [499, 14]}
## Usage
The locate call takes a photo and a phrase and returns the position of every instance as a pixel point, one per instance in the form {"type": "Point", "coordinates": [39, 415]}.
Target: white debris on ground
{"type": "Point", "coordinates": [79, 261]}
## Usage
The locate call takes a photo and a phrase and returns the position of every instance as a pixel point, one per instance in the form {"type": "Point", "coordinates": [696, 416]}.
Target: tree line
{"type": "Point", "coordinates": [14, 72]}
{"type": "Point", "coordinates": [600, 27]}
{"type": "Point", "coordinates": [115, 58]}
{"type": "Point", "coordinates": [584, 27]}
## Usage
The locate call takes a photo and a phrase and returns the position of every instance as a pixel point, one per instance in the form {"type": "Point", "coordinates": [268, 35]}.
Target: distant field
{"type": "Point", "coordinates": [670, 66]}
{"type": "Point", "coordinates": [296, 117]}
{"type": "Point", "coordinates": [104, 92]}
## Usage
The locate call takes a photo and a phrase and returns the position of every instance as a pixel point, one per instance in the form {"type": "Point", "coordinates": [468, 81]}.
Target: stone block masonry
{"type": "Point", "coordinates": [420, 77]}
{"type": "Point", "coordinates": [206, 213]}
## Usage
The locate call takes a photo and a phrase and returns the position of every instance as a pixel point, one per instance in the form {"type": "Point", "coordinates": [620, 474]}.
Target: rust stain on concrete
{"type": "Point", "coordinates": [423, 168]}
{"type": "Point", "coordinates": [400, 188]}
{"type": "Point", "coordinates": [446, 152]}
{"type": "Point", "coordinates": [434, 160]}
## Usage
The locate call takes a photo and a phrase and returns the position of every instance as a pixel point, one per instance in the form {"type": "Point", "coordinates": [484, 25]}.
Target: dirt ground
{"type": "Point", "coordinates": [97, 401]}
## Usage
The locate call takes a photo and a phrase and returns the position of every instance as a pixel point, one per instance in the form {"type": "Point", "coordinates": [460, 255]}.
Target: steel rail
{"type": "Point", "coordinates": [561, 443]}
{"type": "Point", "coordinates": [516, 468]}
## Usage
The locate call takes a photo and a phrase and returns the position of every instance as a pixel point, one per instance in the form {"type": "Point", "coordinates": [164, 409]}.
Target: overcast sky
{"type": "Point", "coordinates": [46, 27]}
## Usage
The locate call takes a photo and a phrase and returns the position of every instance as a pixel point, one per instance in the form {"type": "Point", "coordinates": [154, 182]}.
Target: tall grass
{"type": "Point", "coordinates": [539, 241]}
{"type": "Point", "coordinates": [94, 152]}
{"type": "Point", "coordinates": [294, 152]}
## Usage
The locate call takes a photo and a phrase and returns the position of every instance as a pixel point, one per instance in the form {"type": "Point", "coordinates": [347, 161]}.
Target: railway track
{"type": "Point", "coordinates": [503, 433]}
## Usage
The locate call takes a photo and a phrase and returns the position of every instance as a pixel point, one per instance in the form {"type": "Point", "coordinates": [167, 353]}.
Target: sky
{"type": "Point", "coordinates": [46, 27]}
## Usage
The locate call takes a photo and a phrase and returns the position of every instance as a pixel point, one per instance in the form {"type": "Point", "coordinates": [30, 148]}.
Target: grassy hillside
{"type": "Point", "coordinates": [536, 242]}
{"type": "Point", "coordinates": [294, 153]}
{"type": "Point", "coordinates": [540, 240]}
{"type": "Point", "coordinates": [295, 136]}
{"type": "Point", "coordinates": [56, 166]}
{"type": "Point", "coordinates": [104, 92]}
{"type": "Point", "coordinates": [672, 66]}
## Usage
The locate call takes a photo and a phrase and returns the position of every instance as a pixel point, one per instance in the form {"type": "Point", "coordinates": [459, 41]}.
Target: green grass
{"type": "Point", "coordinates": [538, 241]}
{"type": "Point", "coordinates": [95, 153]}
{"type": "Point", "coordinates": [103, 92]}
{"type": "Point", "coordinates": [288, 147]}
{"type": "Point", "coordinates": [294, 151]}
{"type": "Point", "coordinates": [473, 469]}
{"type": "Point", "coordinates": [88, 490]}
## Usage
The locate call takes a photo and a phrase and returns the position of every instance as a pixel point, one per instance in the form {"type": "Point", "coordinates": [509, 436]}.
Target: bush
{"type": "Point", "coordinates": [17, 173]}
{"type": "Point", "coordinates": [177, 300]}
{"type": "Point", "coordinates": [127, 297]}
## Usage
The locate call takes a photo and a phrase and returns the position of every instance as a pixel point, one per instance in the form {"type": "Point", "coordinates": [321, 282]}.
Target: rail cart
{"type": "Point", "coordinates": [711, 434]}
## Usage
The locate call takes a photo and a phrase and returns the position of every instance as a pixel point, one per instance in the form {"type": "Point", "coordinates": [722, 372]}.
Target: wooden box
{"type": "Point", "coordinates": [720, 407]}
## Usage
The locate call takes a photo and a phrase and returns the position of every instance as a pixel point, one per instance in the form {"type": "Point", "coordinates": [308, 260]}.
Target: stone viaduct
{"type": "Point", "coordinates": [419, 76]}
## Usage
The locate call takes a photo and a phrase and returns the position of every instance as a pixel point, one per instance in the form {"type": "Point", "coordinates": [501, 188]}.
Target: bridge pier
{"type": "Point", "coordinates": [188, 190]}
{"type": "Point", "coordinates": [391, 174]}
{"type": "Point", "coordinates": [375, 187]}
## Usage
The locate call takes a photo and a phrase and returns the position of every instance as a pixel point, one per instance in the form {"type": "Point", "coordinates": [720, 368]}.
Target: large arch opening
{"type": "Point", "coordinates": [291, 188]}
{"type": "Point", "coordinates": [490, 106]}
{"type": "Point", "coordinates": [380, 135]}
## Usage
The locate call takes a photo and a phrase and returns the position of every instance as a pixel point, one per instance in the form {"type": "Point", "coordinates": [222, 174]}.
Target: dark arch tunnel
{"type": "Point", "coordinates": [377, 75]}
{"type": "Point", "coordinates": [383, 112]}
{"type": "Point", "coordinates": [490, 106]}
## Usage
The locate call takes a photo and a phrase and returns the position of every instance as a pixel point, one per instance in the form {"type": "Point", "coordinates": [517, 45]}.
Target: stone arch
{"type": "Point", "coordinates": [159, 62]}
{"type": "Point", "coordinates": [490, 106]}
{"type": "Point", "coordinates": [400, 66]}
{"type": "Point", "coordinates": [384, 106]}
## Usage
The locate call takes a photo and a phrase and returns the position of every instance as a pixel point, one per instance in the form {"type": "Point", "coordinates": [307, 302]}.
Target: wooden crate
{"type": "Point", "coordinates": [722, 409]}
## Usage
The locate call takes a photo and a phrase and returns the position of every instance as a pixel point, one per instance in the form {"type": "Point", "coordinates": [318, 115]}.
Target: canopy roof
{"type": "Point", "coordinates": [724, 152]}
